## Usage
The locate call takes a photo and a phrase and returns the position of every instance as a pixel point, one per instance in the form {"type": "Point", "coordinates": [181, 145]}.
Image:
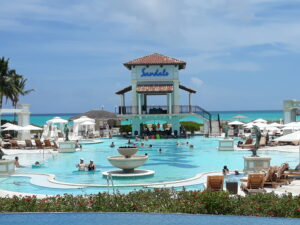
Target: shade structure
{"type": "Point", "coordinates": [86, 123]}
{"type": "Point", "coordinates": [289, 137]}
{"type": "Point", "coordinates": [276, 125]}
{"type": "Point", "coordinates": [83, 119]}
{"type": "Point", "coordinates": [261, 125]}
{"type": "Point", "coordinates": [236, 123]}
{"type": "Point", "coordinates": [57, 119]}
{"type": "Point", "coordinates": [13, 127]}
{"type": "Point", "coordinates": [260, 121]}
{"type": "Point", "coordinates": [6, 125]}
{"type": "Point", "coordinates": [31, 127]}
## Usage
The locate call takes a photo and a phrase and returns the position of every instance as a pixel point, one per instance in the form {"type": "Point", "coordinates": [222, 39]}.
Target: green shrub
{"type": "Point", "coordinates": [161, 201]}
{"type": "Point", "coordinates": [191, 126]}
{"type": "Point", "coordinates": [125, 128]}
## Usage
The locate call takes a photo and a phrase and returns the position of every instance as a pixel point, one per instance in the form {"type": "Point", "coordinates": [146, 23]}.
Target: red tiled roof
{"type": "Point", "coordinates": [155, 59]}
{"type": "Point", "coordinates": [154, 88]}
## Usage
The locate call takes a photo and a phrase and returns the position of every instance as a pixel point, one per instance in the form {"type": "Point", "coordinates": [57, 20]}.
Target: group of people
{"type": "Point", "coordinates": [187, 144]}
{"type": "Point", "coordinates": [226, 171]}
{"type": "Point", "coordinates": [82, 166]}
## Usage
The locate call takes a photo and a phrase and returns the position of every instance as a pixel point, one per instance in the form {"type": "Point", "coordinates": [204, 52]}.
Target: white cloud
{"type": "Point", "coordinates": [196, 82]}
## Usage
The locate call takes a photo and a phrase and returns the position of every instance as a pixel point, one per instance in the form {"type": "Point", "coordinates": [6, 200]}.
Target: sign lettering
{"type": "Point", "coordinates": [158, 73]}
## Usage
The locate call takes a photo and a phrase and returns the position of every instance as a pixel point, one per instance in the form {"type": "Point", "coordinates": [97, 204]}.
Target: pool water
{"type": "Point", "coordinates": [174, 163]}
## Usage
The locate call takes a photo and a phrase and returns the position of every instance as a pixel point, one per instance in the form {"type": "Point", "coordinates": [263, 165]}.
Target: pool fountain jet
{"type": "Point", "coordinates": [128, 162]}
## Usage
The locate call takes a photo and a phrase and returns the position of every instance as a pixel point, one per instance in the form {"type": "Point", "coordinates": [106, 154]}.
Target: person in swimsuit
{"type": "Point", "coordinates": [91, 166]}
{"type": "Point", "coordinates": [17, 164]}
{"type": "Point", "coordinates": [81, 165]}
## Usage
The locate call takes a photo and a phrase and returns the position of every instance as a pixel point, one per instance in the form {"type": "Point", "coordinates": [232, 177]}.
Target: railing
{"type": "Point", "coordinates": [159, 109]}
{"type": "Point", "coordinates": [176, 109]}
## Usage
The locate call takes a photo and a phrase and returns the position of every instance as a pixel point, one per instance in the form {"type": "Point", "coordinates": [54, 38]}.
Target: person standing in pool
{"type": "Point", "coordinates": [91, 166]}
{"type": "Point", "coordinates": [81, 165]}
{"type": "Point", "coordinates": [225, 171]}
{"type": "Point", "coordinates": [17, 164]}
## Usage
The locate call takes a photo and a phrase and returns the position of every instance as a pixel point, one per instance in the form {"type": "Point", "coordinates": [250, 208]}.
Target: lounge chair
{"type": "Point", "coordinates": [215, 183]}
{"type": "Point", "coordinates": [281, 176]}
{"type": "Point", "coordinates": [254, 184]}
{"type": "Point", "coordinates": [271, 178]}
{"type": "Point", "coordinates": [38, 144]}
{"type": "Point", "coordinates": [248, 144]}
{"type": "Point", "coordinates": [29, 144]}
{"type": "Point", "coordinates": [263, 142]}
{"type": "Point", "coordinates": [47, 144]}
{"type": "Point", "coordinates": [14, 144]}
{"type": "Point", "coordinates": [55, 146]}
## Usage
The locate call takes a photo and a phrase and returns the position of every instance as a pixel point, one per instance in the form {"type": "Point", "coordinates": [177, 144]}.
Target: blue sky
{"type": "Point", "coordinates": [241, 55]}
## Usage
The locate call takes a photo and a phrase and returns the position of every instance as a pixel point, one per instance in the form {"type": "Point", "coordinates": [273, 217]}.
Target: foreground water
{"type": "Point", "coordinates": [174, 163]}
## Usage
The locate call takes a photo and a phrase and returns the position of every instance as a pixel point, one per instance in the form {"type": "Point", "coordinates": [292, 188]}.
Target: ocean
{"type": "Point", "coordinates": [274, 115]}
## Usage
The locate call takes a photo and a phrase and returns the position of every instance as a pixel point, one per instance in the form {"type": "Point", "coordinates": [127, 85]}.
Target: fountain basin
{"type": "Point", "coordinates": [127, 164]}
{"type": "Point", "coordinates": [127, 151]}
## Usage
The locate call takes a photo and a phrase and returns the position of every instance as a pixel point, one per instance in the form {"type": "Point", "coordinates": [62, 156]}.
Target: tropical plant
{"type": "Point", "coordinates": [191, 126]}
{"type": "Point", "coordinates": [12, 85]}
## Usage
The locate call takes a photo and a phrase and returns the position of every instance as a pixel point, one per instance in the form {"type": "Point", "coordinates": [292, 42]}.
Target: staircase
{"type": "Point", "coordinates": [215, 128]}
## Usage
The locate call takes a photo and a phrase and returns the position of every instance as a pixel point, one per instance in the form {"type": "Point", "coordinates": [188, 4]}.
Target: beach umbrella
{"type": "Point", "coordinates": [276, 125]}
{"type": "Point", "coordinates": [31, 127]}
{"type": "Point", "coordinates": [239, 117]}
{"type": "Point", "coordinates": [235, 123]}
{"type": "Point", "coordinates": [57, 120]}
{"type": "Point", "coordinates": [13, 127]}
{"type": "Point", "coordinates": [6, 125]}
{"type": "Point", "coordinates": [290, 137]}
{"type": "Point", "coordinates": [88, 123]}
{"type": "Point", "coordinates": [83, 119]}
{"type": "Point", "coordinates": [260, 121]}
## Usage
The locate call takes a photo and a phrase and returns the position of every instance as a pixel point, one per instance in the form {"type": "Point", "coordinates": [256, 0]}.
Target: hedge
{"type": "Point", "coordinates": [161, 201]}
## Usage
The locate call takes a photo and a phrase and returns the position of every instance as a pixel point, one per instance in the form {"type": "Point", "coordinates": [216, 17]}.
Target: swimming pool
{"type": "Point", "coordinates": [174, 163]}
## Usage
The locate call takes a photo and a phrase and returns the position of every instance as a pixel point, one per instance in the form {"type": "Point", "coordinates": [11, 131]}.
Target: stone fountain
{"type": "Point", "coordinates": [128, 162]}
{"type": "Point", "coordinates": [255, 163]}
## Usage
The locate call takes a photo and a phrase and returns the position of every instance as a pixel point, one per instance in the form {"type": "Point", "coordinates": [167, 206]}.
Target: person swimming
{"type": "Point", "coordinates": [112, 145]}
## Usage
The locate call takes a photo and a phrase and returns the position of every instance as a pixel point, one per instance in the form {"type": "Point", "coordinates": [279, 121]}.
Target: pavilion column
{"type": "Point", "coordinates": [23, 120]}
{"type": "Point", "coordinates": [122, 103]}
{"type": "Point", "coordinates": [190, 102]}
{"type": "Point", "coordinates": [139, 104]}
{"type": "Point", "coordinates": [169, 98]}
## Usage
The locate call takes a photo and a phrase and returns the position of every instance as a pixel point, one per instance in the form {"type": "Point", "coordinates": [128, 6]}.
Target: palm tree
{"type": "Point", "coordinates": [16, 88]}
{"type": "Point", "coordinates": [4, 73]}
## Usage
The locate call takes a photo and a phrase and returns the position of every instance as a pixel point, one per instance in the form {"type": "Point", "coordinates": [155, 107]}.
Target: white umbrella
{"type": "Point", "coordinates": [261, 125]}
{"type": "Point", "coordinates": [276, 125]}
{"type": "Point", "coordinates": [57, 120]}
{"type": "Point", "coordinates": [31, 127]}
{"type": "Point", "coordinates": [88, 123]}
{"type": "Point", "coordinates": [260, 121]}
{"type": "Point", "coordinates": [13, 127]}
{"type": "Point", "coordinates": [236, 123]}
{"type": "Point", "coordinates": [291, 137]}
{"type": "Point", "coordinates": [83, 119]}
{"type": "Point", "coordinates": [6, 125]}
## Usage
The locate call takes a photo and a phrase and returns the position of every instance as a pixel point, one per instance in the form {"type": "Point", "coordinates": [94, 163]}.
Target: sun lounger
{"type": "Point", "coordinates": [254, 184]}
{"type": "Point", "coordinates": [215, 183]}
{"type": "Point", "coordinates": [281, 176]}
{"type": "Point", "coordinates": [47, 144]}
{"type": "Point", "coordinates": [248, 144]}
{"type": "Point", "coordinates": [270, 178]}
{"type": "Point", "coordinates": [38, 144]}
{"type": "Point", "coordinates": [14, 144]}
{"type": "Point", "coordinates": [54, 146]}
{"type": "Point", "coordinates": [29, 144]}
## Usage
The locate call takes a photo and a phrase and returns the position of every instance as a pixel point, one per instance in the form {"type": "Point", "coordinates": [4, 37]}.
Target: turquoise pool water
{"type": "Point", "coordinates": [174, 163]}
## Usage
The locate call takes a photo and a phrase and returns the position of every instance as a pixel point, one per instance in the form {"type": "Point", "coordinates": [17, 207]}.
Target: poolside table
{"type": "Point", "coordinates": [232, 187]}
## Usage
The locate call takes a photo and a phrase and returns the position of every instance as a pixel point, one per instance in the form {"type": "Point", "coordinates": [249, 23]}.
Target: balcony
{"type": "Point", "coordinates": [159, 109]}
